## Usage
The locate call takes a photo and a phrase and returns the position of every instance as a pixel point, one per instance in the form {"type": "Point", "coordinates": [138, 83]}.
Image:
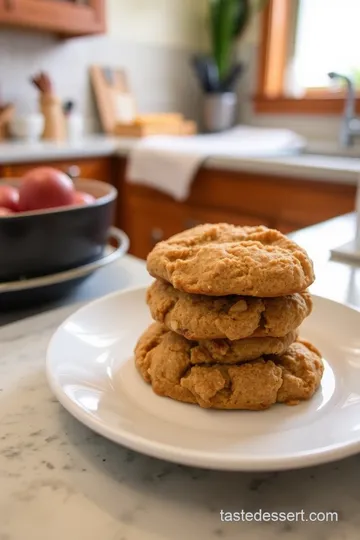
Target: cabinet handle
{"type": "Point", "coordinates": [73, 171]}
{"type": "Point", "coordinates": [156, 235]}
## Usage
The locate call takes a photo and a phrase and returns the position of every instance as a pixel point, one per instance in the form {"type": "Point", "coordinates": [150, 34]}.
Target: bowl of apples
{"type": "Point", "coordinates": [50, 223]}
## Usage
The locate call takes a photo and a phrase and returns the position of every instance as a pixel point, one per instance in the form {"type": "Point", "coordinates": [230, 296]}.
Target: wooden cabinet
{"type": "Point", "coordinates": [197, 215]}
{"type": "Point", "coordinates": [65, 17]}
{"type": "Point", "coordinates": [287, 204]}
{"type": "Point", "coordinates": [150, 220]}
{"type": "Point", "coordinates": [92, 169]}
{"type": "Point", "coordinates": [273, 199]}
{"type": "Point", "coordinates": [149, 217]}
{"type": "Point", "coordinates": [2, 8]}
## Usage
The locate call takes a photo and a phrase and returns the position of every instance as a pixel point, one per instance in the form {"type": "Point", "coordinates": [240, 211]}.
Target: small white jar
{"type": "Point", "coordinates": [29, 127]}
{"type": "Point", "coordinates": [75, 127]}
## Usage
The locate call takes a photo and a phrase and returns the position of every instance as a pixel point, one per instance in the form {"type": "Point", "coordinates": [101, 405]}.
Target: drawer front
{"type": "Point", "coordinates": [286, 227]}
{"type": "Point", "coordinates": [94, 169]}
{"type": "Point", "coordinates": [148, 222]}
{"type": "Point", "coordinates": [196, 216]}
{"type": "Point", "coordinates": [298, 201]}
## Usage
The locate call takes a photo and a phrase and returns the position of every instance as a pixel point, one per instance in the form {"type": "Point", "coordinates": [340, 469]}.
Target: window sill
{"type": "Point", "coordinates": [307, 105]}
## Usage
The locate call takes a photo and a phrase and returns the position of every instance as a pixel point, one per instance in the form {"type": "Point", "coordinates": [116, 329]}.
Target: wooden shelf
{"type": "Point", "coordinates": [64, 18]}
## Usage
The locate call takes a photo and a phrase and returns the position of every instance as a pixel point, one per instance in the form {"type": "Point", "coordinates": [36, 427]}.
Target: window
{"type": "Point", "coordinates": [301, 41]}
{"type": "Point", "coordinates": [327, 39]}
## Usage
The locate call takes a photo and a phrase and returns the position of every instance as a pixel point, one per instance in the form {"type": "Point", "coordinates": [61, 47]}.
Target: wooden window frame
{"type": "Point", "coordinates": [273, 55]}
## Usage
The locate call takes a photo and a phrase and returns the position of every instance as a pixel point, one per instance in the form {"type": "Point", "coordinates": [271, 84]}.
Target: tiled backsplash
{"type": "Point", "coordinates": [160, 77]}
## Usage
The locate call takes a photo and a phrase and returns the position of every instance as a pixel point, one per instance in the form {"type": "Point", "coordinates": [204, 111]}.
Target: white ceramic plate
{"type": "Point", "coordinates": [91, 371]}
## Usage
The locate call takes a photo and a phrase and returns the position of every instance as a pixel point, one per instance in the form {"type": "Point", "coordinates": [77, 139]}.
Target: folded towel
{"type": "Point", "coordinates": [170, 164]}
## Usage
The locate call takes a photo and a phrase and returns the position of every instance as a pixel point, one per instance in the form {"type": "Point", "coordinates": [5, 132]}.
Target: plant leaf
{"type": "Point", "coordinates": [223, 14]}
{"type": "Point", "coordinates": [228, 84]}
{"type": "Point", "coordinates": [242, 17]}
{"type": "Point", "coordinates": [228, 21]}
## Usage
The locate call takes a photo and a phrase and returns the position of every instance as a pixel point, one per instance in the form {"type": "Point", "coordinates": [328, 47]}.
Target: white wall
{"type": "Point", "coordinates": [178, 23]}
{"type": "Point", "coordinates": [151, 39]}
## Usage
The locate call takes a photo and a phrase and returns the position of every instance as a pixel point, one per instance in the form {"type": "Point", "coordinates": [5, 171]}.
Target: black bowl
{"type": "Point", "coordinates": [28, 293]}
{"type": "Point", "coordinates": [38, 243]}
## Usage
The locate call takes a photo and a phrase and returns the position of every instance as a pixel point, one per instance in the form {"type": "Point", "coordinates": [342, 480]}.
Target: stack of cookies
{"type": "Point", "coordinates": [227, 303]}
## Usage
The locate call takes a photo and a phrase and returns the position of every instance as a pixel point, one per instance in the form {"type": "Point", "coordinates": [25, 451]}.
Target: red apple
{"type": "Point", "coordinates": [45, 187]}
{"type": "Point", "coordinates": [80, 197]}
{"type": "Point", "coordinates": [9, 197]}
{"type": "Point", "coordinates": [5, 212]}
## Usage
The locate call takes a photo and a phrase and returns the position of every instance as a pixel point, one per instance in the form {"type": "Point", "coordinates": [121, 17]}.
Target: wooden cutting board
{"type": "Point", "coordinates": [6, 114]}
{"type": "Point", "coordinates": [108, 83]}
{"type": "Point", "coordinates": [179, 128]}
{"type": "Point", "coordinates": [116, 104]}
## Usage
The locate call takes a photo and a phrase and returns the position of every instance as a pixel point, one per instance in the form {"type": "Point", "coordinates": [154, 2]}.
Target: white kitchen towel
{"type": "Point", "coordinates": [170, 164]}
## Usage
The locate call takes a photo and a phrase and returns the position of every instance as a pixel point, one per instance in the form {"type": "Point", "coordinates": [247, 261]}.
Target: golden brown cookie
{"type": "Point", "coordinates": [164, 359]}
{"type": "Point", "coordinates": [224, 259]}
{"type": "Point", "coordinates": [224, 351]}
{"type": "Point", "coordinates": [196, 316]}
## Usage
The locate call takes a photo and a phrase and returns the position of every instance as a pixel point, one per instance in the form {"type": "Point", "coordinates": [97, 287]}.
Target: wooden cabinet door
{"type": "Point", "coordinates": [197, 215]}
{"type": "Point", "coordinates": [3, 9]}
{"type": "Point", "coordinates": [66, 17]}
{"type": "Point", "coordinates": [286, 228]}
{"type": "Point", "coordinates": [148, 221]}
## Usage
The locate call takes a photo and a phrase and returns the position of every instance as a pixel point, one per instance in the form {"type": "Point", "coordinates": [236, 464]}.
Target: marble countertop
{"type": "Point", "coordinates": [330, 168]}
{"type": "Point", "coordinates": [92, 146]}
{"type": "Point", "coordinates": [339, 169]}
{"type": "Point", "coordinates": [59, 480]}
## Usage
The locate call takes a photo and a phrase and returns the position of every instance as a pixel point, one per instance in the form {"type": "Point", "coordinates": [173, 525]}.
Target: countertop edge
{"type": "Point", "coordinates": [276, 168]}
{"type": "Point", "coordinates": [103, 147]}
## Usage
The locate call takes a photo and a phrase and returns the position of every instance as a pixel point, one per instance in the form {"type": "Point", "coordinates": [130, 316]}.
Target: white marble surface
{"type": "Point", "coordinates": [59, 480]}
{"type": "Point", "coordinates": [337, 169]}
{"type": "Point", "coordinates": [23, 152]}
{"type": "Point", "coordinates": [343, 169]}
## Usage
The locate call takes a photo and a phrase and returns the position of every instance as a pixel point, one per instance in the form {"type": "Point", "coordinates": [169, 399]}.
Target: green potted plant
{"type": "Point", "coordinates": [218, 72]}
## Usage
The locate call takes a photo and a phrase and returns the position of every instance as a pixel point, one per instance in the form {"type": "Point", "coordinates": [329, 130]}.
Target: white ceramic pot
{"type": "Point", "coordinates": [74, 127]}
{"type": "Point", "coordinates": [29, 127]}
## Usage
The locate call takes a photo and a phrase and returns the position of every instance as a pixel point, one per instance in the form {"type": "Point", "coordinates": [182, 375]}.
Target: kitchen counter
{"type": "Point", "coordinates": [344, 169]}
{"type": "Point", "coordinates": [22, 152]}
{"type": "Point", "coordinates": [338, 169]}
{"type": "Point", "coordinates": [59, 480]}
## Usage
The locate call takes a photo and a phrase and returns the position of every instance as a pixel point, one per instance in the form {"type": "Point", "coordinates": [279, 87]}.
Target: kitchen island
{"type": "Point", "coordinates": [59, 480]}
